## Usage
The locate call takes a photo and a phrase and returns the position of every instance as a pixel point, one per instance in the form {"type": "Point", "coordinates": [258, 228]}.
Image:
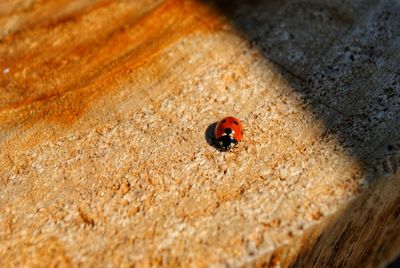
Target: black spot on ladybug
{"type": "Point", "coordinates": [235, 122]}
{"type": "Point", "coordinates": [228, 131]}
{"type": "Point", "coordinates": [223, 121]}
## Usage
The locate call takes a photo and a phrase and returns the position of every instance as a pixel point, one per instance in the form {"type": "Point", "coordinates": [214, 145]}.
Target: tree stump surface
{"type": "Point", "coordinates": [106, 115]}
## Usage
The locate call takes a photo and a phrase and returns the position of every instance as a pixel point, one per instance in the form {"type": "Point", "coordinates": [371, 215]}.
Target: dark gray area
{"type": "Point", "coordinates": [341, 56]}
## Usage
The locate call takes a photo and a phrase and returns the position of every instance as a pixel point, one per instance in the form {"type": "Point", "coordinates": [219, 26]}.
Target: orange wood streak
{"type": "Point", "coordinates": [48, 14]}
{"type": "Point", "coordinates": [103, 63]}
{"type": "Point", "coordinates": [47, 70]}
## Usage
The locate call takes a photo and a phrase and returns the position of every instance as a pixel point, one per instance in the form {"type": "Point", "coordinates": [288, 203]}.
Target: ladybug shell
{"type": "Point", "coordinates": [229, 125]}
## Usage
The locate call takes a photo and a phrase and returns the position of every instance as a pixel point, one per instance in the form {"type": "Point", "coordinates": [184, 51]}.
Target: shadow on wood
{"type": "Point", "coordinates": [343, 58]}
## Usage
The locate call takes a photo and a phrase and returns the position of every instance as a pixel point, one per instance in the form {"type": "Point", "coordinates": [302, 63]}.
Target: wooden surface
{"type": "Point", "coordinates": [105, 110]}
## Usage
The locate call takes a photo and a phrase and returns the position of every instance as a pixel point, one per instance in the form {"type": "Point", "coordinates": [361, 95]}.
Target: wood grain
{"type": "Point", "coordinates": [105, 110]}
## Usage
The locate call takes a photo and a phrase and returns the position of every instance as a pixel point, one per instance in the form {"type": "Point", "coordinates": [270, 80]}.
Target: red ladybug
{"type": "Point", "coordinates": [228, 132]}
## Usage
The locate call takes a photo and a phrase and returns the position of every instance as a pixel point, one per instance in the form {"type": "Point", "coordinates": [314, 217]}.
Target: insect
{"type": "Point", "coordinates": [228, 132]}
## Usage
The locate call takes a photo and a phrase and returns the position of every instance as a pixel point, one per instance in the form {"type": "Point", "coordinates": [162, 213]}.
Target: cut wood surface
{"type": "Point", "coordinates": [106, 110]}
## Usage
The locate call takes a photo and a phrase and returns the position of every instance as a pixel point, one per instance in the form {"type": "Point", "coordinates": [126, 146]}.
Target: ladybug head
{"type": "Point", "coordinates": [227, 141]}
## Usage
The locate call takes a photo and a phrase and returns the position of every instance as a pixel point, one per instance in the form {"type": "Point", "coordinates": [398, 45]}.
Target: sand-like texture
{"type": "Point", "coordinates": [105, 115]}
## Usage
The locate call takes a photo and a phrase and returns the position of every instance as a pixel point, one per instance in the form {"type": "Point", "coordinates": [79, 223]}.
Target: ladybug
{"type": "Point", "coordinates": [228, 132]}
